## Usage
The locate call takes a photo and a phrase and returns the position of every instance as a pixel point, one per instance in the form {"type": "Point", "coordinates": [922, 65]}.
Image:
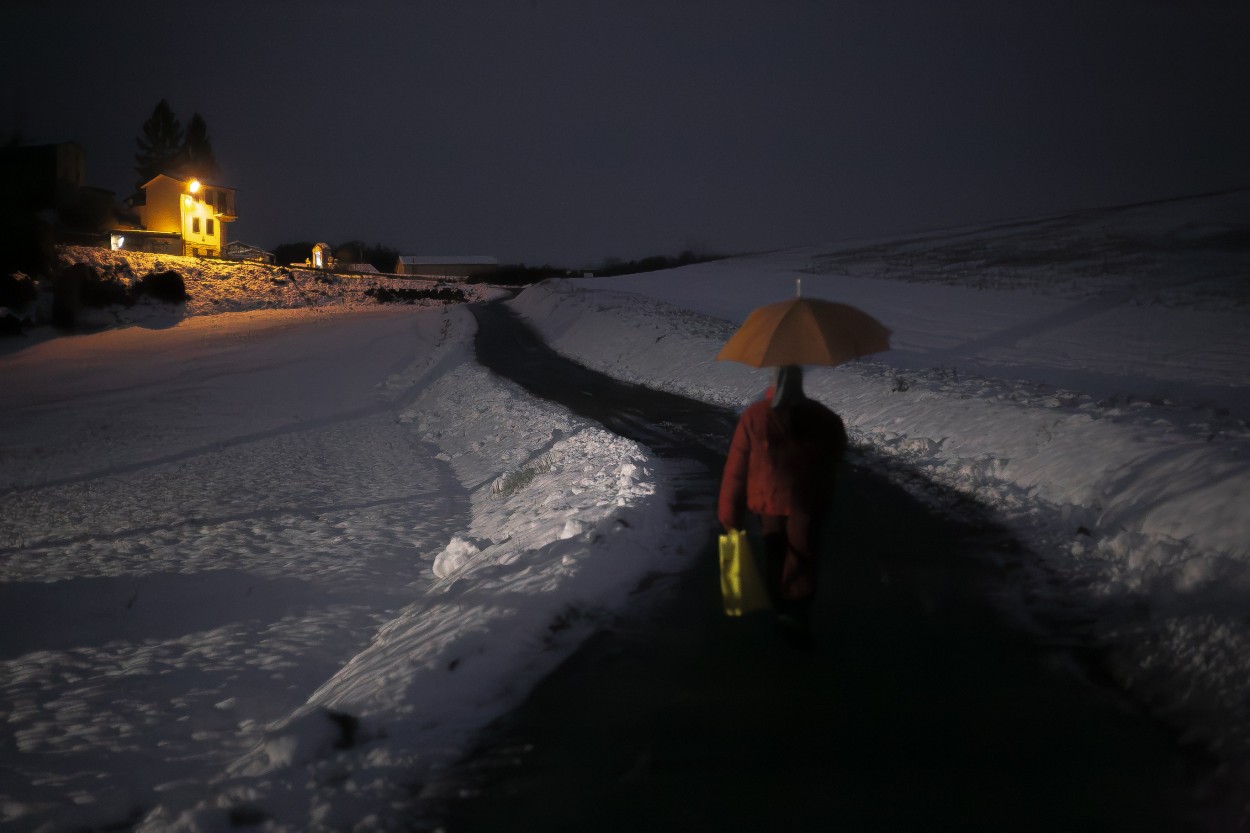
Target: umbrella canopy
{"type": "Point", "coordinates": [805, 331]}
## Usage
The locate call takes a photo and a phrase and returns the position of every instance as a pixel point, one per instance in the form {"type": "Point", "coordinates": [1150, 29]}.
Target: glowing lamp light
{"type": "Point", "coordinates": [194, 186]}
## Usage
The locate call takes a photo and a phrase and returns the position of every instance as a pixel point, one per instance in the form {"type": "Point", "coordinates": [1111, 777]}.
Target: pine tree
{"type": "Point", "coordinates": [160, 145]}
{"type": "Point", "coordinates": [198, 150]}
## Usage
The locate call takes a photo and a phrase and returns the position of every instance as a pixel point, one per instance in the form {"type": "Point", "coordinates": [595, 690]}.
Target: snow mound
{"type": "Point", "coordinates": [453, 559]}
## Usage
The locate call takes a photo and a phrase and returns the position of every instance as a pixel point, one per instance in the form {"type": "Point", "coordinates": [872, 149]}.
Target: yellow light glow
{"type": "Point", "coordinates": [194, 186]}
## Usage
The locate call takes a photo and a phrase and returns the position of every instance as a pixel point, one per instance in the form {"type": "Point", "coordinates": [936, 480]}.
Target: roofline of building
{"type": "Point", "coordinates": [205, 183]}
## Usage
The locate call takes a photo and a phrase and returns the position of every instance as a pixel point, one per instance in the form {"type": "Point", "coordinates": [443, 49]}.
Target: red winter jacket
{"type": "Point", "coordinates": [778, 463]}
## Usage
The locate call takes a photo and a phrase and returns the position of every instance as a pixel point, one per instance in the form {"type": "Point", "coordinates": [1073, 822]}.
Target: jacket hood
{"type": "Point", "coordinates": [789, 386]}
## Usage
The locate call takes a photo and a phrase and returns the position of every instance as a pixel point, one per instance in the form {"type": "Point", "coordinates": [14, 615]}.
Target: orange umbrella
{"type": "Point", "coordinates": [805, 331]}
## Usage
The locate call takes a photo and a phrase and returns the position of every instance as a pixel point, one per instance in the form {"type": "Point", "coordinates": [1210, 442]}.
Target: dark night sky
{"type": "Point", "coordinates": [568, 131]}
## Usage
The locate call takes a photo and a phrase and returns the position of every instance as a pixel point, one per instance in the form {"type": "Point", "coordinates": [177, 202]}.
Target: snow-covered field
{"type": "Point", "coordinates": [276, 565]}
{"type": "Point", "coordinates": [1085, 377]}
{"type": "Point", "coordinates": [234, 545]}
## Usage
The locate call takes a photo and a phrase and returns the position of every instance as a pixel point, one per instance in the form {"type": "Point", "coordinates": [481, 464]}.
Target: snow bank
{"type": "Point", "coordinates": [564, 521]}
{"type": "Point", "coordinates": [220, 286]}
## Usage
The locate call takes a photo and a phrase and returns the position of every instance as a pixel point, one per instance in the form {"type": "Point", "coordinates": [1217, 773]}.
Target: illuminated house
{"type": "Point", "coordinates": [180, 216]}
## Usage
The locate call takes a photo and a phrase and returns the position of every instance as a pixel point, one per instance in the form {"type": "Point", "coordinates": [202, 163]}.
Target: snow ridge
{"type": "Point", "coordinates": [543, 559]}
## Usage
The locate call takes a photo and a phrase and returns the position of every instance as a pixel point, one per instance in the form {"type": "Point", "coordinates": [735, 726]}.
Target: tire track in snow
{"type": "Point", "coordinates": [310, 513]}
{"type": "Point", "coordinates": [392, 406]}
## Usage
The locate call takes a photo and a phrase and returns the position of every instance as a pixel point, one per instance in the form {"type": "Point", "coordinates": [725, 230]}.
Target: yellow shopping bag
{"type": "Point", "coordinates": [740, 582]}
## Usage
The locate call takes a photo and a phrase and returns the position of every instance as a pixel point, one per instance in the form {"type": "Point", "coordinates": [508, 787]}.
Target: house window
{"type": "Point", "coordinates": [208, 227]}
{"type": "Point", "coordinates": [195, 225]}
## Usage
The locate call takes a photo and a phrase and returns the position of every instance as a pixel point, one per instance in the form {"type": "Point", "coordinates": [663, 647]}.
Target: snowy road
{"type": "Point", "coordinates": [671, 426]}
{"type": "Point", "coordinates": [923, 704]}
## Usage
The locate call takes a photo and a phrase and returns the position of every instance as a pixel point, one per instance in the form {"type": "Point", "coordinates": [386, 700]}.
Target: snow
{"type": "Point", "coordinates": [1094, 398]}
{"type": "Point", "coordinates": [226, 540]}
{"type": "Point", "coordinates": [216, 286]}
{"type": "Point", "coordinates": [276, 557]}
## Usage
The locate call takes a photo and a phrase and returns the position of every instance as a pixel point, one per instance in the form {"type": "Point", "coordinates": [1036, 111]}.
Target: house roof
{"type": "Point", "coordinates": [239, 244]}
{"type": "Point", "coordinates": [142, 232]}
{"type": "Point", "coordinates": [188, 179]}
{"type": "Point", "coordinates": [452, 260]}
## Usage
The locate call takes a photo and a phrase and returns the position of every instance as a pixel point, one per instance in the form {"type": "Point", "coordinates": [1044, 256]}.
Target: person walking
{"type": "Point", "coordinates": [781, 467]}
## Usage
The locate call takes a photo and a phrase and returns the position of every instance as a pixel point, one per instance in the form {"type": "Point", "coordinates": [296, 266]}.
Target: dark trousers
{"type": "Point", "coordinates": [791, 559]}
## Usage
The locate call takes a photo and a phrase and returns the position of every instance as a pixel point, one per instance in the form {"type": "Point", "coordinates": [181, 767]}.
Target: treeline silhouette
{"type": "Point", "coordinates": [383, 258]}
{"type": "Point", "coordinates": [522, 275]}
{"type": "Point", "coordinates": [612, 266]}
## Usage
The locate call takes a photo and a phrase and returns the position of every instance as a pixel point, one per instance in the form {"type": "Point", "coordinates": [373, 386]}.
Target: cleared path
{"type": "Point", "coordinates": [920, 707]}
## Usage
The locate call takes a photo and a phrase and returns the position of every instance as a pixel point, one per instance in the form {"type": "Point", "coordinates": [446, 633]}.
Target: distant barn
{"type": "Point", "coordinates": [446, 267]}
{"type": "Point", "coordinates": [237, 250]}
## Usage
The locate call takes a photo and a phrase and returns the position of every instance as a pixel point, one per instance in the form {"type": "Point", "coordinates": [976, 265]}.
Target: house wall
{"type": "Point", "coordinates": [202, 233]}
{"type": "Point", "coordinates": [221, 200]}
{"type": "Point", "coordinates": [220, 204]}
{"type": "Point", "coordinates": [161, 210]}
{"type": "Point", "coordinates": [167, 244]}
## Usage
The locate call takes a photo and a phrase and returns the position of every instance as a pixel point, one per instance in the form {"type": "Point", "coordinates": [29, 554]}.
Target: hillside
{"type": "Point", "coordinates": [215, 532]}
{"type": "Point", "coordinates": [219, 286]}
{"type": "Point", "coordinates": [1083, 380]}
